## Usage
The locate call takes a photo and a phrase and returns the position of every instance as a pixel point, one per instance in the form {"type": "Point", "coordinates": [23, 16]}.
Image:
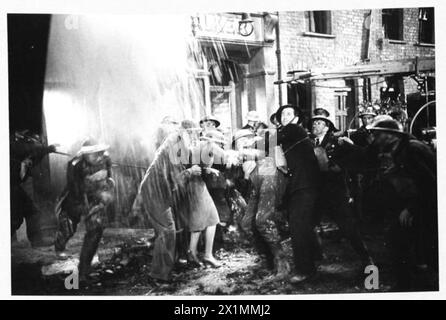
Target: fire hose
{"type": "Point", "coordinates": [114, 164]}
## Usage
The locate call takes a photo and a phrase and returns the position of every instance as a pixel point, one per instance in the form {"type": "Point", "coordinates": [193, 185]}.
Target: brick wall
{"type": "Point", "coordinates": [389, 50]}
{"type": "Point", "coordinates": [312, 52]}
{"type": "Point", "coordinates": [347, 46]}
{"type": "Point", "coordinates": [348, 43]}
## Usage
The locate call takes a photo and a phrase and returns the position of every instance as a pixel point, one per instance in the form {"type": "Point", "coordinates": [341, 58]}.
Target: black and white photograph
{"type": "Point", "coordinates": [254, 153]}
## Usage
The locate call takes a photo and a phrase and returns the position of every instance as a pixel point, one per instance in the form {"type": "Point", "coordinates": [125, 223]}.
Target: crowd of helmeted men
{"type": "Point", "coordinates": [269, 182]}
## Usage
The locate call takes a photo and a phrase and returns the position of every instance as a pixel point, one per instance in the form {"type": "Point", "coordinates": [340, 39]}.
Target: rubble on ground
{"type": "Point", "coordinates": [123, 263]}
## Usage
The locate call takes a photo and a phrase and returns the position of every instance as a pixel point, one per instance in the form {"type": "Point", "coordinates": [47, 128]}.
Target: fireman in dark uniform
{"type": "Point", "coordinates": [260, 222]}
{"type": "Point", "coordinates": [333, 198]}
{"type": "Point", "coordinates": [360, 182]}
{"type": "Point", "coordinates": [408, 169]}
{"type": "Point", "coordinates": [26, 150]}
{"type": "Point", "coordinates": [361, 137]}
{"type": "Point", "coordinates": [89, 191]}
{"type": "Point", "coordinates": [407, 175]}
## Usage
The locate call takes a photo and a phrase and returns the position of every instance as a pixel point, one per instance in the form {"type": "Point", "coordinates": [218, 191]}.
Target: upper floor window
{"type": "Point", "coordinates": [393, 23]}
{"type": "Point", "coordinates": [426, 25]}
{"type": "Point", "coordinates": [319, 21]}
{"type": "Point", "coordinates": [394, 89]}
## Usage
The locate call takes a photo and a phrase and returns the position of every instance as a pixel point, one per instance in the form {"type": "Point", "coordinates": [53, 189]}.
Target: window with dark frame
{"type": "Point", "coordinates": [392, 20]}
{"type": "Point", "coordinates": [393, 90]}
{"type": "Point", "coordinates": [426, 25]}
{"type": "Point", "coordinates": [300, 95]}
{"type": "Point", "coordinates": [341, 111]}
{"type": "Point", "coordinates": [319, 21]}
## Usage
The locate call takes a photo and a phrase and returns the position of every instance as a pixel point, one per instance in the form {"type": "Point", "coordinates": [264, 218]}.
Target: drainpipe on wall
{"type": "Point", "coordinates": [366, 53]}
{"type": "Point", "coordinates": [367, 26]}
{"type": "Point", "coordinates": [279, 59]}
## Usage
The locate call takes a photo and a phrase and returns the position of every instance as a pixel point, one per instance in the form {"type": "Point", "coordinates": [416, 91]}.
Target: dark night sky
{"type": "Point", "coordinates": [27, 51]}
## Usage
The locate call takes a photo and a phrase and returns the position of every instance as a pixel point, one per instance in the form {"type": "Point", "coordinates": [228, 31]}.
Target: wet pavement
{"type": "Point", "coordinates": [123, 261]}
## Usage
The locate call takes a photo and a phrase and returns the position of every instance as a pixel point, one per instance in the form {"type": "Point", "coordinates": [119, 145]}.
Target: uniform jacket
{"type": "Point", "coordinates": [360, 137]}
{"type": "Point", "coordinates": [413, 175]}
{"type": "Point", "coordinates": [333, 173]}
{"type": "Point", "coordinates": [20, 149]}
{"type": "Point", "coordinates": [77, 172]}
{"type": "Point", "coordinates": [409, 171]}
{"type": "Point", "coordinates": [301, 160]}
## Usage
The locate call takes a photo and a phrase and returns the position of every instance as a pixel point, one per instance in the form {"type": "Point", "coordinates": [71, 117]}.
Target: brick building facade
{"type": "Point", "coordinates": [324, 40]}
{"type": "Point", "coordinates": [352, 37]}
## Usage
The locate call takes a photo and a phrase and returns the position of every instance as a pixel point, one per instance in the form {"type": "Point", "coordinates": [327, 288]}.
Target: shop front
{"type": "Point", "coordinates": [236, 66]}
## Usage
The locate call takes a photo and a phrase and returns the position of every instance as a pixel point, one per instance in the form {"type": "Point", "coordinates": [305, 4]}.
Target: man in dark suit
{"type": "Point", "coordinates": [333, 198]}
{"type": "Point", "coordinates": [301, 190]}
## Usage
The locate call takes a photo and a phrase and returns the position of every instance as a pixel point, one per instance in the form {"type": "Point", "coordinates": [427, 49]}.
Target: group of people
{"type": "Point", "coordinates": [280, 181]}
{"type": "Point", "coordinates": [268, 182]}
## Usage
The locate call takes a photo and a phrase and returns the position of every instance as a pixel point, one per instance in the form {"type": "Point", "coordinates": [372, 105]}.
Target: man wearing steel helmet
{"type": "Point", "coordinates": [253, 120]}
{"type": "Point", "coordinates": [89, 192]}
{"type": "Point", "coordinates": [360, 182]}
{"type": "Point", "coordinates": [408, 185]}
{"type": "Point", "coordinates": [209, 123]}
{"type": "Point", "coordinates": [361, 136]}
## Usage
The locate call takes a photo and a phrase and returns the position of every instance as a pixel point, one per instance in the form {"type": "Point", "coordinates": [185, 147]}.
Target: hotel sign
{"type": "Point", "coordinates": [225, 26]}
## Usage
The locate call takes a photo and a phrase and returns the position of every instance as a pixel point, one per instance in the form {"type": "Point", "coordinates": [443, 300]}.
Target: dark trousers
{"type": "Point", "coordinates": [69, 216]}
{"type": "Point", "coordinates": [23, 208]}
{"type": "Point", "coordinates": [333, 203]}
{"type": "Point", "coordinates": [401, 244]}
{"type": "Point", "coordinates": [413, 245]}
{"type": "Point", "coordinates": [300, 206]}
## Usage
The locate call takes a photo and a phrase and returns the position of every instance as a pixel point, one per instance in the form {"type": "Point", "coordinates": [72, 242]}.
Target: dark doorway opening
{"type": "Point", "coordinates": [27, 52]}
{"type": "Point", "coordinates": [300, 95]}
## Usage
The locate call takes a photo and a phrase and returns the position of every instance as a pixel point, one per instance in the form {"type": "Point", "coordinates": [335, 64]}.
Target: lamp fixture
{"type": "Point", "coordinates": [245, 25]}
